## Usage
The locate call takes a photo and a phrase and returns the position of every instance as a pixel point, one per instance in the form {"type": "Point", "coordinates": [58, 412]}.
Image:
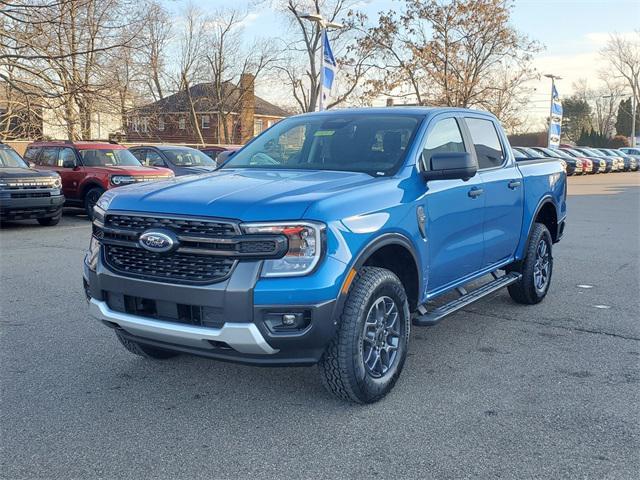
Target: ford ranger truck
{"type": "Point", "coordinates": [27, 194]}
{"type": "Point", "coordinates": [323, 239]}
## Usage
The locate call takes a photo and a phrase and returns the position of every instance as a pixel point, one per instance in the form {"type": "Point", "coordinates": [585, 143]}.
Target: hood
{"type": "Point", "coordinates": [18, 172]}
{"type": "Point", "coordinates": [243, 194]}
{"type": "Point", "coordinates": [135, 170]}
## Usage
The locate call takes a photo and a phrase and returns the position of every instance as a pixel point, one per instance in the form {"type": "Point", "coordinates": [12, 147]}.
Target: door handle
{"type": "Point", "coordinates": [475, 192]}
{"type": "Point", "coordinates": [513, 184]}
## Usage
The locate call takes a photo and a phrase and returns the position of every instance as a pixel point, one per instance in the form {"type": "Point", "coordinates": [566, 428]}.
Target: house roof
{"type": "Point", "coordinates": [205, 100]}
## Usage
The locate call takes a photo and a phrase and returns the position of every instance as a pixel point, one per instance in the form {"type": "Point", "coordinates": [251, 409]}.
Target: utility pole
{"type": "Point", "coordinates": [323, 26]}
{"type": "Point", "coordinates": [553, 79]}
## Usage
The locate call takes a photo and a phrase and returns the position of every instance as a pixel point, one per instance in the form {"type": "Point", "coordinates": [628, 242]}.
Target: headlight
{"type": "Point", "coordinates": [57, 182]}
{"type": "Point", "coordinates": [122, 179]}
{"type": "Point", "coordinates": [305, 247]}
{"type": "Point", "coordinates": [105, 200]}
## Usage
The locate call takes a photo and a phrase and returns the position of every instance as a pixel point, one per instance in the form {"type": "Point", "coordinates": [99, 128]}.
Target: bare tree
{"type": "Point", "coordinates": [456, 53]}
{"type": "Point", "coordinates": [157, 33]}
{"type": "Point", "coordinates": [623, 54]}
{"type": "Point", "coordinates": [228, 62]}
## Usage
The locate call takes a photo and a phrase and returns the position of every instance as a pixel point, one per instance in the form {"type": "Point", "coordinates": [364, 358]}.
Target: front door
{"type": "Point", "coordinates": [454, 213]}
{"type": "Point", "coordinates": [71, 175]}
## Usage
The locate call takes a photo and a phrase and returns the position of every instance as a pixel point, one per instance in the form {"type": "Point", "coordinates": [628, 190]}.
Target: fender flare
{"type": "Point", "coordinates": [384, 240]}
{"type": "Point", "coordinates": [547, 199]}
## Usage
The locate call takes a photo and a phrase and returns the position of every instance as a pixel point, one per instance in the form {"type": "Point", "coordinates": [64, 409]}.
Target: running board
{"type": "Point", "coordinates": [428, 318]}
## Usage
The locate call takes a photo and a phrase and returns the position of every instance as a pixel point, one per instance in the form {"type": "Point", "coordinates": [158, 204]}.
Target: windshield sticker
{"type": "Point", "coordinates": [324, 133]}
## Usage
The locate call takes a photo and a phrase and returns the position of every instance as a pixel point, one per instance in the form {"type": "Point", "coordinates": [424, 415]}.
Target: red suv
{"type": "Point", "coordinates": [89, 168]}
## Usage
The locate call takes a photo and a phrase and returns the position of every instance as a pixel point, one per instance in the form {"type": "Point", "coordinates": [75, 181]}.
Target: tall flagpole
{"type": "Point", "coordinates": [553, 78]}
{"type": "Point", "coordinates": [320, 102]}
{"type": "Point", "coordinates": [323, 25]}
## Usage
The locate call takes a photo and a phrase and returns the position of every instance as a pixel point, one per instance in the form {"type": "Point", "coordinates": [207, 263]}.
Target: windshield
{"type": "Point", "coordinates": [554, 153]}
{"type": "Point", "coordinates": [188, 157]}
{"type": "Point", "coordinates": [108, 157]}
{"type": "Point", "coordinates": [592, 153]}
{"type": "Point", "coordinates": [374, 144]}
{"type": "Point", "coordinates": [10, 159]}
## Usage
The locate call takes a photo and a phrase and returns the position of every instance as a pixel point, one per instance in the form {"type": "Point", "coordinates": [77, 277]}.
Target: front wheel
{"type": "Point", "coordinates": [536, 268]}
{"type": "Point", "coordinates": [90, 199]}
{"type": "Point", "coordinates": [364, 360]}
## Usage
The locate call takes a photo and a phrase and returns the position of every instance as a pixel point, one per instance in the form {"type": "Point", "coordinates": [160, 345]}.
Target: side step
{"type": "Point", "coordinates": [427, 319]}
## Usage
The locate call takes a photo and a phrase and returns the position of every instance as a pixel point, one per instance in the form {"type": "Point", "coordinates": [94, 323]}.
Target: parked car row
{"type": "Point", "coordinates": [585, 160]}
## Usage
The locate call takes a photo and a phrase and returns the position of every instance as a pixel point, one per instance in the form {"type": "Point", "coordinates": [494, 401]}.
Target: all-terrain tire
{"type": "Point", "coordinates": [342, 367]}
{"type": "Point", "coordinates": [146, 351]}
{"type": "Point", "coordinates": [527, 291]}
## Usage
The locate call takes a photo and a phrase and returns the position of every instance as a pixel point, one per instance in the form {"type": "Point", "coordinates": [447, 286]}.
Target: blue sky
{"type": "Point", "coordinates": [572, 32]}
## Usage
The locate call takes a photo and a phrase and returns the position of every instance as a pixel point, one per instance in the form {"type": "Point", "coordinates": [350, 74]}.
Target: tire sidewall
{"type": "Point", "coordinates": [371, 387]}
{"type": "Point", "coordinates": [540, 233]}
{"type": "Point", "coordinates": [88, 209]}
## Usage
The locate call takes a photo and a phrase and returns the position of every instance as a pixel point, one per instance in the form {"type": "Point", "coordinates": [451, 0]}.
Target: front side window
{"type": "Point", "coordinates": [67, 155]}
{"type": "Point", "coordinates": [10, 159]}
{"type": "Point", "coordinates": [49, 157]}
{"type": "Point", "coordinates": [374, 144]}
{"type": "Point", "coordinates": [445, 137]}
{"type": "Point", "coordinates": [108, 157]}
{"type": "Point", "coordinates": [153, 159]}
{"type": "Point", "coordinates": [486, 142]}
{"type": "Point", "coordinates": [188, 157]}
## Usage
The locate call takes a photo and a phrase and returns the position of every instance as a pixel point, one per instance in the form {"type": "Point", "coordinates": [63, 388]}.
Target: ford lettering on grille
{"type": "Point", "coordinates": [158, 241]}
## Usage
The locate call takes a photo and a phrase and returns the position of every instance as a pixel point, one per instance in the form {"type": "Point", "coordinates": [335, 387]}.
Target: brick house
{"type": "Point", "coordinates": [171, 120]}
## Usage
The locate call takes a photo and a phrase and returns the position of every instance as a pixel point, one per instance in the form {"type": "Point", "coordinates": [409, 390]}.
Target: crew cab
{"type": "Point", "coordinates": [323, 239]}
{"type": "Point", "coordinates": [26, 193]}
{"type": "Point", "coordinates": [90, 168]}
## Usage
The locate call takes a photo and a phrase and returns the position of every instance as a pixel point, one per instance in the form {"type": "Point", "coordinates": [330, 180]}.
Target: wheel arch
{"type": "Point", "coordinates": [396, 253]}
{"type": "Point", "coordinates": [547, 214]}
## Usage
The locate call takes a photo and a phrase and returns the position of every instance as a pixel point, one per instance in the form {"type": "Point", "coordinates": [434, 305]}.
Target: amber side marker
{"type": "Point", "coordinates": [348, 280]}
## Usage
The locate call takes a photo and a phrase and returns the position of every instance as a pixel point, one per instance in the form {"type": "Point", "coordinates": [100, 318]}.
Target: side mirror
{"type": "Point", "coordinates": [69, 164]}
{"type": "Point", "coordinates": [450, 166]}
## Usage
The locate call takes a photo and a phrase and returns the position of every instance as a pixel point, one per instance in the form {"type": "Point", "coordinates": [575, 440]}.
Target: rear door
{"type": "Point", "coordinates": [503, 190]}
{"type": "Point", "coordinates": [454, 210]}
{"type": "Point", "coordinates": [71, 176]}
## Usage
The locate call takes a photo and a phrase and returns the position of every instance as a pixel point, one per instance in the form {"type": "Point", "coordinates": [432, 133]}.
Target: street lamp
{"type": "Point", "coordinates": [323, 25]}
{"type": "Point", "coordinates": [553, 79]}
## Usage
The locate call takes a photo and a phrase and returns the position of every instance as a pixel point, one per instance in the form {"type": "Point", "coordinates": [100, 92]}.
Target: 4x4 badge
{"type": "Point", "coordinates": [158, 241]}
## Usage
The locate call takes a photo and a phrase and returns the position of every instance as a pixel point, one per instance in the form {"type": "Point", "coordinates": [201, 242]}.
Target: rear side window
{"type": "Point", "coordinates": [486, 142]}
{"type": "Point", "coordinates": [49, 157]}
{"type": "Point", "coordinates": [445, 137]}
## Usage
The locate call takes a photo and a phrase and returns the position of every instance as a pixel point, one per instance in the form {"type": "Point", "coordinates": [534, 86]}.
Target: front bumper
{"type": "Point", "coordinates": [30, 207]}
{"type": "Point", "coordinates": [234, 327]}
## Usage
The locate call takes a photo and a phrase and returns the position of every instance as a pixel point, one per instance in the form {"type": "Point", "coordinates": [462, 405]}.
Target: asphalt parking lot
{"type": "Point", "coordinates": [498, 390]}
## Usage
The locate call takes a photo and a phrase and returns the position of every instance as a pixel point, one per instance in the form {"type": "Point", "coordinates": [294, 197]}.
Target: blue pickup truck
{"type": "Point", "coordinates": [323, 239]}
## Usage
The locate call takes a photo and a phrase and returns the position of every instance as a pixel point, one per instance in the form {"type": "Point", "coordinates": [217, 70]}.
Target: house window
{"type": "Point", "coordinates": [205, 121]}
{"type": "Point", "coordinates": [161, 123]}
{"type": "Point", "coordinates": [182, 123]}
{"type": "Point", "coordinates": [145, 124]}
{"type": "Point", "coordinates": [257, 126]}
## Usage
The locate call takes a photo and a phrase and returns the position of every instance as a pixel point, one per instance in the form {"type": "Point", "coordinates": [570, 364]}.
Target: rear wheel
{"type": "Point", "coordinates": [146, 351]}
{"type": "Point", "coordinates": [91, 198]}
{"type": "Point", "coordinates": [536, 268]}
{"type": "Point", "coordinates": [364, 360]}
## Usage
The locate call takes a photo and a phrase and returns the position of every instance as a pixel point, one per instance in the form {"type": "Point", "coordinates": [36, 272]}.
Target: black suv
{"type": "Point", "coordinates": [26, 193]}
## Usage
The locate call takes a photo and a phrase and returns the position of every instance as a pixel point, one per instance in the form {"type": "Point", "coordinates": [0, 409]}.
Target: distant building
{"type": "Point", "coordinates": [171, 119]}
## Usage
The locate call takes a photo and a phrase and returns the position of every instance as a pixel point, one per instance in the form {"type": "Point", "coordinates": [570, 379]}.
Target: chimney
{"type": "Point", "coordinates": [247, 106]}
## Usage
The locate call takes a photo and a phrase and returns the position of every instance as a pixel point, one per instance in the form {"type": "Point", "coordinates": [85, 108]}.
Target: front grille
{"type": "Point", "coordinates": [30, 195]}
{"type": "Point", "coordinates": [176, 266]}
{"type": "Point", "coordinates": [140, 223]}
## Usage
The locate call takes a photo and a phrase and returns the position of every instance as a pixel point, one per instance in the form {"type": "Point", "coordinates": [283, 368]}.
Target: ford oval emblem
{"type": "Point", "coordinates": [158, 241]}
